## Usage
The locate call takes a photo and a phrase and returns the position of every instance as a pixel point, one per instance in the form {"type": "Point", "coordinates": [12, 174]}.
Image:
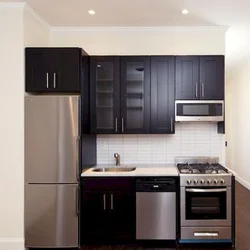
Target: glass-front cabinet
{"type": "Point", "coordinates": [104, 89]}
{"type": "Point", "coordinates": [135, 94]}
{"type": "Point", "coordinates": [120, 94]}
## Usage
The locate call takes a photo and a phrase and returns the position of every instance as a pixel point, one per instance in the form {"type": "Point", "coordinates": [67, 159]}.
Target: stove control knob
{"type": "Point", "coordinates": [189, 181]}
{"type": "Point", "coordinates": [215, 181]}
{"type": "Point", "coordinates": [208, 181]}
{"type": "Point", "coordinates": [202, 181]}
{"type": "Point", "coordinates": [222, 181]}
{"type": "Point", "coordinates": [195, 181]}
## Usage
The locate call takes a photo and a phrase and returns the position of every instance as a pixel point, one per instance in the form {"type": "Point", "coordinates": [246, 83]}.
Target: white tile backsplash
{"type": "Point", "coordinates": [190, 139]}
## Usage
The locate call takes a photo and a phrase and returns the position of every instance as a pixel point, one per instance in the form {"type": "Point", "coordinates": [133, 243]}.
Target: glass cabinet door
{"type": "Point", "coordinates": [135, 100]}
{"type": "Point", "coordinates": [104, 89]}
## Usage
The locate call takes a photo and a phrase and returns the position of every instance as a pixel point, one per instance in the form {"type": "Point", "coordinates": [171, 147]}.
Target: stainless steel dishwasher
{"type": "Point", "coordinates": [156, 208]}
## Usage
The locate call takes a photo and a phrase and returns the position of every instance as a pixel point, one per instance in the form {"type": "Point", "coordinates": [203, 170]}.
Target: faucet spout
{"type": "Point", "coordinates": [117, 159]}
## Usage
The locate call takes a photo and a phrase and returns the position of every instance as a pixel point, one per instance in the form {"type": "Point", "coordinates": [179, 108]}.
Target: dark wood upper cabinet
{"type": "Point", "coordinates": [199, 77]}
{"type": "Point", "coordinates": [187, 77]}
{"type": "Point", "coordinates": [55, 70]}
{"type": "Point", "coordinates": [120, 94]}
{"type": "Point", "coordinates": [135, 94]}
{"type": "Point", "coordinates": [104, 94]}
{"type": "Point", "coordinates": [212, 77]}
{"type": "Point", "coordinates": [162, 94]}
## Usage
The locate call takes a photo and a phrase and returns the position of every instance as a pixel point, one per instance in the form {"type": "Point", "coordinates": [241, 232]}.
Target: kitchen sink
{"type": "Point", "coordinates": [114, 169]}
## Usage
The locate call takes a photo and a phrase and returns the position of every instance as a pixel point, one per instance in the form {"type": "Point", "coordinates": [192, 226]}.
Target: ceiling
{"type": "Point", "coordinates": [141, 12]}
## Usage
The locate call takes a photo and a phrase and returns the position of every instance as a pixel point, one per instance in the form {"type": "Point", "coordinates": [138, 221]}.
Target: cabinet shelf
{"type": "Point", "coordinates": [104, 107]}
{"type": "Point", "coordinates": [105, 80]}
{"type": "Point", "coordinates": [135, 95]}
{"type": "Point", "coordinates": [134, 81]}
{"type": "Point", "coordinates": [135, 108]}
{"type": "Point", "coordinates": [105, 92]}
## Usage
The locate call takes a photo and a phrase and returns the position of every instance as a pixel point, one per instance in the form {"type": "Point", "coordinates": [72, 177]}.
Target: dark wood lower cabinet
{"type": "Point", "coordinates": [122, 214]}
{"type": "Point", "coordinates": [107, 211]}
{"type": "Point", "coordinates": [93, 216]}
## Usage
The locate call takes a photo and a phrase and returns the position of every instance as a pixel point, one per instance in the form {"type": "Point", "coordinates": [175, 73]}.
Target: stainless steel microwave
{"type": "Point", "coordinates": [200, 110]}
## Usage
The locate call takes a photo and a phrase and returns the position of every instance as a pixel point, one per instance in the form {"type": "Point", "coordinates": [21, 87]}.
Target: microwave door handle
{"type": "Point", "coordinates": [196, 90]}
{"type": "Point", "coordinates": [199, 190]}
{"type": "Point", "coordinates": [202, 90]}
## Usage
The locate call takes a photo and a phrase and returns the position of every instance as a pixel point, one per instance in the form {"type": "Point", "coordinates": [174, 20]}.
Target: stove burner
{"type": "Point", "coordinates": [202, 168]}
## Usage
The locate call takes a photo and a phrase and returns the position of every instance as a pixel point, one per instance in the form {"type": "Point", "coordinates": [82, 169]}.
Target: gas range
{"type": "Point", "coordinates": [202, 171]}
{"type": "Point", "coordinates": [205, 200]}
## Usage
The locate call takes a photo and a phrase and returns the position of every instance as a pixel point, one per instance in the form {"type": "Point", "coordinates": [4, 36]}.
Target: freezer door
{"type": "Point", "coordinates": [51, 139]}
{"type": "Point", "coordinates": [51, 215]}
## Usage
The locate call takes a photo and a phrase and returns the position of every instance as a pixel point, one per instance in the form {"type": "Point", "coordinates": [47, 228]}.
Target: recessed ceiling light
{"type": "Point", "coordinates": [184, 11]}
{"type": "Point", "coordinates": [91, 12]}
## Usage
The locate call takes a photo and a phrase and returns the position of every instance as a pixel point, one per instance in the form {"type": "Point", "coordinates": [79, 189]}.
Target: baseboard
{"type": "Point", "coordinates": [241, 180]}
{"type": "Point", "coordinates": [11, 244]}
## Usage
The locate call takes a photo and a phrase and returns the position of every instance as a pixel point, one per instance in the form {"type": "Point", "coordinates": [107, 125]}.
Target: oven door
{"type": "Point", "coordinates": [206, 206]}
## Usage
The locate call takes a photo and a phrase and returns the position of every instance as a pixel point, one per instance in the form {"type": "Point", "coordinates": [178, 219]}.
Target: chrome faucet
{"type": "Point", "coordinates": [117, 159]}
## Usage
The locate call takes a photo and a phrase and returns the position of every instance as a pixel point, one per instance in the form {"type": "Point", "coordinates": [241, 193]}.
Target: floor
{"type": "Point", "coordinates": [242, 227]}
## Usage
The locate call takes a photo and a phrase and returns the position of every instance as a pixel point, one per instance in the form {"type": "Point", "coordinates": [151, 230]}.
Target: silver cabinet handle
{"type": "Point", "coordinates": [111, 201]}
{"type": "Point", "coordinates": [122, 125]}
{"type": "Point", "coordinates": [172, 127]}
{"type": "Point", "coordinates": [202, 90]}
{"type": "Point", "coordinates": [77, 201]}
{"type": "Point", "coordinates": [196, 90]}
{"type": "Point", "coordinates": [199, 190]}
{"type": "Point", "coordinates": [206, 234]}
{"type": "Point", "coordinates": [115, 124]}
{"type": "Point", "coordinates": [54, 82]}
{"type": "Point", "coordinates": [47, 79]}
{"type": "Point", "coordinates": [104, 201]}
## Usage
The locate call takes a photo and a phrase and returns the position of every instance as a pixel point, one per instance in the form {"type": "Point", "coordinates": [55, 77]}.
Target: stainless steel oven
{"type": "Point", "coordinates": [205, 200]}
{"type": "Point", "coordinates": [206, 206]}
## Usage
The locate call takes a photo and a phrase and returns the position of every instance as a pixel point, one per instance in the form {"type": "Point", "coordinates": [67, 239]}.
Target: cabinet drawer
{"type": "Point", "coordinates": [110, 183]}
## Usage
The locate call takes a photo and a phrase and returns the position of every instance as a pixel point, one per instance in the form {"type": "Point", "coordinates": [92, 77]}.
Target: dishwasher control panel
{"type": "Point", "coordinates": [163, 184]}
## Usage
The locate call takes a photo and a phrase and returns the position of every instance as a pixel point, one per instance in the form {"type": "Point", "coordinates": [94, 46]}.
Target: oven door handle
{"type": "Point", "coordinates": [199, 190]}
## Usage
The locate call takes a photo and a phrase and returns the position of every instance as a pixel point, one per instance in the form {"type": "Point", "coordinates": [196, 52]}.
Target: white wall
{"type": "Point", "coordinates": [18, 28]}
{"type": "Point", "coordinates": [238, 101]}
{"type": "Point", "coordinates": [11, 126]}
{"type": "Point", "coordinates": [142, 41]}
{"type": "Point", "coordinates": [190, 139]}
{"type": "Point", "coordinates": [36, 30]}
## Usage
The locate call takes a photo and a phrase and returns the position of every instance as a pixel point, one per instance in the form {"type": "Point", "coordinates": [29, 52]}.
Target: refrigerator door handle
{"type": "Point", "coordinates": [77, 201]}
{"type": "Point", "coordinates": [77, 157]}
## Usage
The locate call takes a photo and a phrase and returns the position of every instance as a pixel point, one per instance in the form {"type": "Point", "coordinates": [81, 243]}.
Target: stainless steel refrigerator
{"type": "Point", "coordinates": [52, 137]}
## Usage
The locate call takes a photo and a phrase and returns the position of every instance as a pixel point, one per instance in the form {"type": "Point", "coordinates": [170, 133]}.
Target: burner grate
{"type": "Point", "coordinates": [202, 168]}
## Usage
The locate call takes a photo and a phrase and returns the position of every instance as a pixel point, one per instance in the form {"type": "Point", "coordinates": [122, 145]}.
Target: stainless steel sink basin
{"type": "Point", "coordinates": [114, 169]}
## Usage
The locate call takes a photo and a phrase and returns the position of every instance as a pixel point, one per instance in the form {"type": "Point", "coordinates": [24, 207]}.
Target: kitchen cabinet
{"type": "Point", "coordinates": [162, 94]}
{"type": "Point", "coordinates": [199, 77]}
{"type": "Point", "coordinates": [56, 70]}
{"type": "Point", "coordinates": [107, 210]}
{"type": "Point", "coordinates": [104, 94]}
{"type": "Point", "coordinates": [135, 94]}
{"type": "Point", "coordinates": [120, 94]}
